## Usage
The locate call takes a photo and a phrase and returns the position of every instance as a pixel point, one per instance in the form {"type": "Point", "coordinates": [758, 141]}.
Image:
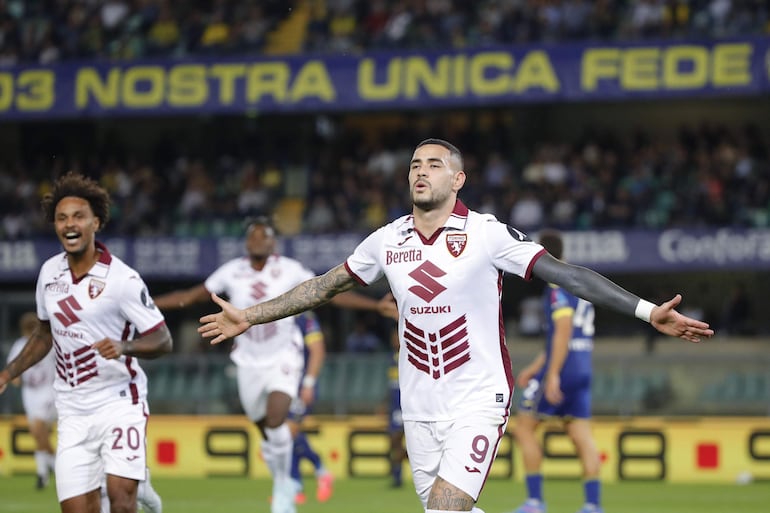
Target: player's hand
{"type": "Point", "coordinates": [667, 320]}
{"type": "Point", "coordinates": [226, 324]}
{"type": "Point", "coordinates": [108, 348]}
{"type": "Point", "coordinates": [553, 393]}
{"type": "Point", "coordinates": [307, 395]}
{"type": "Point", "coordinates": [524, 376]}
{"type": "Point", "coordinates": [387, 306]}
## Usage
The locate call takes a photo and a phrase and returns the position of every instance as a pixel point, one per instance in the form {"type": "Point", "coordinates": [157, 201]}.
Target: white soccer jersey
{"type": "Point", "coordinates": [450, 320]}
{"type": "Point", "coordinates": [39, 376]}
{"type": "Point", "coordinates": [260, 345]}
{"type": "Point", "coordinates": [110, 301]}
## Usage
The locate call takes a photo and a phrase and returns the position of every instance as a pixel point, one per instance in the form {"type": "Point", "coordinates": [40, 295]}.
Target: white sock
{"type": "Point", "coordinates": [146, 497]}
{"type": "Point", "coordinates": [51, 461]}
{"type": "Point", "coordinates": [104, 507]}
{"type": "Point", "coordinates": [41, 463]}
{"type": "Point", "coordinates": [144, 490]}
{"type": "Point", "coordinates": [276, 450]}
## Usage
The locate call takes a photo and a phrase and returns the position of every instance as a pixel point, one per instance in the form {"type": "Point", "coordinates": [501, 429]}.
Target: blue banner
{"type": "Point", "coordinates": [610, 251]}
{"type": "Point", "coordinates": [488, 76]}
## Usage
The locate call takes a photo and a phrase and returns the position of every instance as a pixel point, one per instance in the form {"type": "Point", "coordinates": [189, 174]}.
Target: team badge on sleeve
{"type": "Point", "coordinates": [95, 287]}
{"type": "Point", "coordinates": [147, 299]}
{"type": "Point", "coordinates": [455, 243]}
{"type": "Point", "coordinates": [516, 234]}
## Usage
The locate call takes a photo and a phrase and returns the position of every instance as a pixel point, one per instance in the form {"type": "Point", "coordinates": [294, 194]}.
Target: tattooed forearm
{"type": "Point", "coordinates": [447, 497]}
{"type": "Point", "coordinates": [35, 349]}
{"type": "Point", "coordinates": [305, 296]}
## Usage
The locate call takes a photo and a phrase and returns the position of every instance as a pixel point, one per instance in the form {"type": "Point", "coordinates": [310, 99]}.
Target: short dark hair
{"type": "Point", "coordinates": [454, 151]}
{"type": "Point", "coordinates": [553, 242]}
{"type": "Point", "coordinates": [76, 185]}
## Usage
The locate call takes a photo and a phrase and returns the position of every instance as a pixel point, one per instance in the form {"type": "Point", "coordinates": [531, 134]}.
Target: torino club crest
{"type": "Point", "coordinates": [95, 287]}
{"type": "Point", "coordinates": [455, 243]}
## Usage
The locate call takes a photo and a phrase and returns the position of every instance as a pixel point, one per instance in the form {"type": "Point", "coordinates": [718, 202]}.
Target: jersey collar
{"type": "Point", "coordinates": [100, 268]}
{"type": "Point", "coordinates": [458, 217]}
{"type": "Point", "coordinates": [456, 221]}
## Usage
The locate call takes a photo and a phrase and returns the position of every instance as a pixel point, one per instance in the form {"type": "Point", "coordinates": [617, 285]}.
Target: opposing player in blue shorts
{"type": "Point", "coordinates": [558, 385]}
{"type": "Point", "coordinates": [315, 352]}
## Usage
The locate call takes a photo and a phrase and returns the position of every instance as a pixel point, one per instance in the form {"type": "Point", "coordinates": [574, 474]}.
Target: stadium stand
{"type": "Point", "coordinates": [336, 172]}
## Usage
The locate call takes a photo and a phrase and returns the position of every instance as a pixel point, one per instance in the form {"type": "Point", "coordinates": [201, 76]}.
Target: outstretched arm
{"type": "Point", "coordinates": [182, 298]}
{"type": "Point", "coordinates": [385, 306]}
{"type": "Point", "coordinates": [599, 290]}
{"type": "Point", "coordinates": [310, 294]}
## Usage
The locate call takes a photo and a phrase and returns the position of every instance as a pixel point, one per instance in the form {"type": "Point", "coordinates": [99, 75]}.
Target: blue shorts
{"type": "Point", "coordinates": [395, 419]}
{"type": "Point", "coordinates": [576, 403]}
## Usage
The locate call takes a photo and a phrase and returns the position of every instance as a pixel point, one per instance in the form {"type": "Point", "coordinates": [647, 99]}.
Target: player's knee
{"type": "Point", "coordinates": [591, 466]}
{"type": "Point", "coordinates": [274, 419]}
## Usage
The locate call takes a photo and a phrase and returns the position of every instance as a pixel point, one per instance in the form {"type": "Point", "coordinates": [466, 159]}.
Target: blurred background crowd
{"type": "Point", "coordinates": [707, 175]}
{"type": "Point", "coordinates": [46, 31]}
{"type": "Point", "coordinates": [704, 175]}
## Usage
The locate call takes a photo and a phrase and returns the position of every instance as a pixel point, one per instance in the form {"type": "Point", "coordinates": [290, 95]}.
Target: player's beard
{"type": "Point", "coordinates": [431, 201]}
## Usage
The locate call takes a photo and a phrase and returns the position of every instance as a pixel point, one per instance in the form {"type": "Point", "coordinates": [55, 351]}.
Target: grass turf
{"type": "Point", "coordinates": [240, 495]}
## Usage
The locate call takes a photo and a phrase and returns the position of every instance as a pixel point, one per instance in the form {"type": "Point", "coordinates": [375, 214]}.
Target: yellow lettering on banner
{"type": "Point", "coordinates": [480, 65]}
{"type": "Point", "coordinates": [675, 78]}
{"type": "Point", "coordinates": [36, 90]}
{"type": "Point", "coordinates": [313, 81]}
{"type": "Point", "coordinates": [227, 74]}
{"type": "Point", "coordinates": [640, 69]}
{"type": "Point", "coordinates": [484, 74]}
{"type": "Point", "coordinates": [732, 65]}
{"type": "Point", "coordinates": [88, 83]}
{"type": "Point", "coordinates": [6, 91]}
{"type": "Point", "coordinates": [536, 71]}
{"type": "Point", "coordinates": [459, 85]}
{"type": "Point", "coordinates": [370, 90]}
{"type": "Point", "coordinates": [419, 73]}
{"type": "Point", "coordinates": [152, 96]}
{"type": "Point", "coordinates": [187, 85]}
{"type": "Point", "coordinates": [267, 79]}
{"type": "Point", "coordinates": [598, 64]}
{"type": "Point", "coordinates": [650, 68]}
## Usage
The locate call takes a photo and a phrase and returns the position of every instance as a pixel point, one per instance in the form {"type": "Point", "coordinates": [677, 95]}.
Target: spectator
{"type": "Point", "coordinates": [164, 34]}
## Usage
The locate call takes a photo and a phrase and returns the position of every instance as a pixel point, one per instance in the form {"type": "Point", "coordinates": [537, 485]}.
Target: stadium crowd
{"type": "Point", "coordinates": [47, 31]}
{"type": "Point", "coordinates": [708, 176]}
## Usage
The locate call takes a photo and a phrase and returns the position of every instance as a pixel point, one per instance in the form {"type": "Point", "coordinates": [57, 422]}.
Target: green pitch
{"type": "Point", "coordinates": [236, 495]}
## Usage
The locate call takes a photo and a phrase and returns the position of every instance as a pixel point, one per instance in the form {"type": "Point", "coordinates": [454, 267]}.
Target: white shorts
{"type": "Point", "coordinates": [39, 403]}
{"type": "Point", "coordinates": [461, 452]}
{"type": "Point", "coordinates": [112, 441]}
{"type": "Point", "coordinates": [255, 383]}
